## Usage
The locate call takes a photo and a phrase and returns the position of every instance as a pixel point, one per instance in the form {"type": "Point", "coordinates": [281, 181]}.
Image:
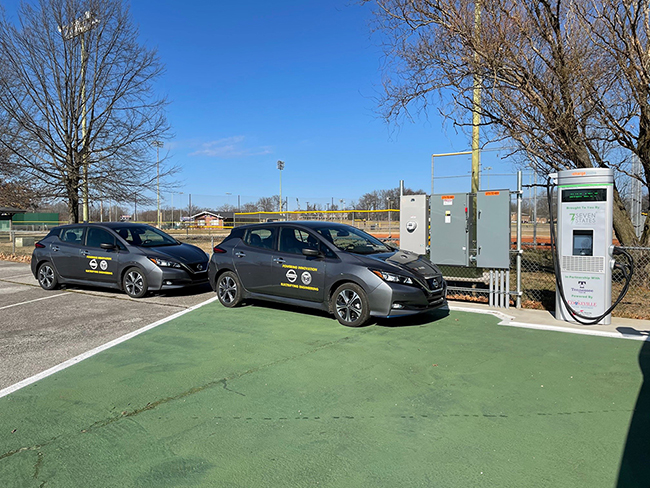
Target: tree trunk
{"type": "Point", "coordinates": [623, 228]}
{"type": "Point", "coordinates": [73, 204]}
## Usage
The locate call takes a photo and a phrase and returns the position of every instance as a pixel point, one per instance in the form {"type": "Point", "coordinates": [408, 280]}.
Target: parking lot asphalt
{"type": "Point", "coordinates": [40, 329]}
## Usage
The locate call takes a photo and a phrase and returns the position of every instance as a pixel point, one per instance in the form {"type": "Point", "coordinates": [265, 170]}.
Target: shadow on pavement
{"type": "Point", "coordinates": [177, 292]}
{"type": "Point", "coordinates": [289, 308]}
{"type": "Point", "coordinates": [414, 320]}
{"type": "Point", "coordinates": [633, 471]}
{"type": "Point", "coordinates": [409, 321]}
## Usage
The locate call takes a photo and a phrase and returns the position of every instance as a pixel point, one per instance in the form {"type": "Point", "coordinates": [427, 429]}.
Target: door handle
{"type": "Point", "coordinates": [54, 248]}
{"type": "Point", "coordinates": [279, 260]}
{"type": "Point", "coordinates": [83, 252]}
{"type": "Point", "coordinates": [240, 254]}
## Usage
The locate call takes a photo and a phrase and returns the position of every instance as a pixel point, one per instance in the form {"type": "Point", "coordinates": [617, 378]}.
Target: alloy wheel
{"type": "Point", "coordinates": [46, 276]}
{"type": "Point", "coordinates": [133, 283]}
{"type": "Point", "coordinates": [227, 289]}
{"type": "Point", "coordinates": [348, 305]}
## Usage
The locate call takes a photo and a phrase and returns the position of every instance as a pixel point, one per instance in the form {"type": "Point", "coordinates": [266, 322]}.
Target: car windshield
{"type": "Point", "coordinates": [145, 236]}
{"type": "Point", "coordinates": [352, 240]}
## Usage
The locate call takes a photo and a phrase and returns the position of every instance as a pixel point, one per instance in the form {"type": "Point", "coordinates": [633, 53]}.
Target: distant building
{"type": "Point", "coordinates": [207, 219]}
{"type": "Point", "coordinates": [6, 214]}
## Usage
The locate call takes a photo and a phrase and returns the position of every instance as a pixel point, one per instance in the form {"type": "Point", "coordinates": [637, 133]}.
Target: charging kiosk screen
{"type": "Point", "coordinates": [583, 242]}
{"type": "Point", "coordinates": [584, 195]}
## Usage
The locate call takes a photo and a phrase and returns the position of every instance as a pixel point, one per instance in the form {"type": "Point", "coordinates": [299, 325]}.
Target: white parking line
{"type": "Point", "coordinates": [32, 301]}
{"type": "Point", "coordinates": [92, 352]}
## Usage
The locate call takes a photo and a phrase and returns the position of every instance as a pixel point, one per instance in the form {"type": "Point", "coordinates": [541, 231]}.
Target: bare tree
{"type": "Point", "coordinates": [380, 199]}
{"type": "Point", "coordinates": [14, 194]}
{"type": "Point", "coordinates": [268, 204]}
{"type": "Point", "coordinates": [77, 91]}
{"type": "Point", "coordinates": [552, 77]}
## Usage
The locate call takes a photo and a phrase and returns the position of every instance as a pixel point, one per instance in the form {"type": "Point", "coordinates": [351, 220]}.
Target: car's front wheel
{"type": "Point", "coordinates": [47, 277]}
{"type": "Point", "coordinates": [229, 289]}
{"type": "Point", "coordinates": [135, 283]}
{"type": "Point", "coordinates": [350, 305]}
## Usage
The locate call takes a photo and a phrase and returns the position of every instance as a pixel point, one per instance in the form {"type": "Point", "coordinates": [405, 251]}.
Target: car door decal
{"type": "Point", "coordinates": [305, 277]}
{"type": "Point", "coordinates": [101, 262]}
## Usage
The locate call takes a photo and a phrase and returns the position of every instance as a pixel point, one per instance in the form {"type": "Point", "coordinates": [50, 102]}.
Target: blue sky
{"type": "Point", "coordinates": [254, 82]}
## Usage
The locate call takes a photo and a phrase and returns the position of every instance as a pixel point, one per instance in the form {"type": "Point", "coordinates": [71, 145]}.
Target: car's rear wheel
{"type": "Point", "coordinates": [135, 283]}
{"type": "Point", "coordinates": [350, 305]}
{"type": "Point", "coordinates": [47, 277]}
{"type": "Point", "coordinates": [229, 289]}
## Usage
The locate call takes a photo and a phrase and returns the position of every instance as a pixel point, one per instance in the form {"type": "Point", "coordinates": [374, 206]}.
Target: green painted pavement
{"type": "Point", "coordinates": [267, 397]}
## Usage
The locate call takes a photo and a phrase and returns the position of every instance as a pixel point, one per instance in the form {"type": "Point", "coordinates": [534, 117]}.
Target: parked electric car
{"type": "Point", "coordinates": [135, 258]}
{"type": "Point", "coordinates": [327, 266]}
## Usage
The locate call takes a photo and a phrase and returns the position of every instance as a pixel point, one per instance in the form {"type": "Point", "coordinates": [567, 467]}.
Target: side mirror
{"type": "Point", "coordinates": [313, 253]}
{"type": "Point", "coordinates": [107, 246]}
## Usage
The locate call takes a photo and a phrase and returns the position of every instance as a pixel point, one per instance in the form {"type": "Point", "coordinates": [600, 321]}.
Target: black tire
{"type": "Point", "coordinates": [229, 289]}
{"type": "Point", "coordinates": [47, 276]}
{"type": "Point", "coordinates": [350, 305]}
{"type": "Point", "coordinates": [134, 283]}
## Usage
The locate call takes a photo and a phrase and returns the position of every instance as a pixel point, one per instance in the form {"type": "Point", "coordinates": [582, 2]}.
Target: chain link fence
{"type": "Point", "coordinates": [538, 282]}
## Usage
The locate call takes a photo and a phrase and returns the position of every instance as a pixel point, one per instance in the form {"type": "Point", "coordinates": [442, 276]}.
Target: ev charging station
{"type": "Point", "coordinates": [584, 244]}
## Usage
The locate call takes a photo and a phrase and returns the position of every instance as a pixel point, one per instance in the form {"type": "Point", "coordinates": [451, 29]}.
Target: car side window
{"type": "Point", "coordinates": [96, 237]}
{"type": "Point", "coordinates": [295, 240]}
{"type": "Point", "coordinates": [72, 235]}
{"type": "Point", "coordinates": [261, 237]}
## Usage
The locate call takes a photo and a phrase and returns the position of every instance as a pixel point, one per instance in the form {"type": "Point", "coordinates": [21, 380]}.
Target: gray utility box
{"type": "Point", "coordinates": [493, 229]}
{"type": "Point", "coordinates": [413, 223]}
{"type": "Point", "coordinates": [451, 229]}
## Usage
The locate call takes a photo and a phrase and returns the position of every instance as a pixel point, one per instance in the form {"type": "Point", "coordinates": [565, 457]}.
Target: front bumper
{"type": "Point", "coordinates": [393, 300]}
{"type": "Point", "coordinates": [173, 278]}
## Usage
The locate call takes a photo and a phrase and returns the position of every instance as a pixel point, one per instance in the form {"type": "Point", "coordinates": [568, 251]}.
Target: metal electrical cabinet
{"type": "Point", "coordinates": [413, 223]}
{"type": "Point", "coordinates": [451, 229]}
{"type": "Point", "coordinates": [493, 229]}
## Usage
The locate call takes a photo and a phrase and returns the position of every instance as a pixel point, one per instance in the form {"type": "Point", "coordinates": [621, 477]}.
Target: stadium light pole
{"type": "Point", "coordinates": [280, 167]}
{"type": "Point", "coordinates": [157, 145]}
{"type": "Point", "coordinates": [77, 29]}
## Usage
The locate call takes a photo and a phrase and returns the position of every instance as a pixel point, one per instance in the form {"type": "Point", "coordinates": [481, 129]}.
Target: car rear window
{"type": "Point", "coordinates": [73, 235]}
{"type": "Point", "coordinates": [262, 237]}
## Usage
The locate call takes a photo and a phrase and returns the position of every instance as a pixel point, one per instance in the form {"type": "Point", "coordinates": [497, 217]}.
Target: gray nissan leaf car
{"type": "Point", "coordinates": [327, 266]}
{"type": "Point", "coordinates": [135, 258]}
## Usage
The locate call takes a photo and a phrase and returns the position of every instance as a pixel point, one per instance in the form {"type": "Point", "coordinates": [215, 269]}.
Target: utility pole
{"type": "Point", "coordinates": [476, 108]}
{"type": "Point", "coordinates": [158, 145]}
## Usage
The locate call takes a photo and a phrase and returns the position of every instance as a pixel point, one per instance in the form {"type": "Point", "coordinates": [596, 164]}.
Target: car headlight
{"type": "Point", "coordinates": [164, 263]}
{"type": "Point", "coordinates": [392, 277]}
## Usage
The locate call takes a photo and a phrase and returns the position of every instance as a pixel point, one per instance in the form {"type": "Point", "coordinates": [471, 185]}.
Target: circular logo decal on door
{"type": "Point", "coordinates": [93, 264]}
{"type": "Point", "coordinates": [306, 277]}
{"type": "Point", "coordinates": [291, 275]}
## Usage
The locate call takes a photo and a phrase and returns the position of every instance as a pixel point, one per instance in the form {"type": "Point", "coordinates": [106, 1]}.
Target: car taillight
{"type": "Point", "coordinates": [39, 245]}
{"type": "Point", "coordinates": [218, 250]}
